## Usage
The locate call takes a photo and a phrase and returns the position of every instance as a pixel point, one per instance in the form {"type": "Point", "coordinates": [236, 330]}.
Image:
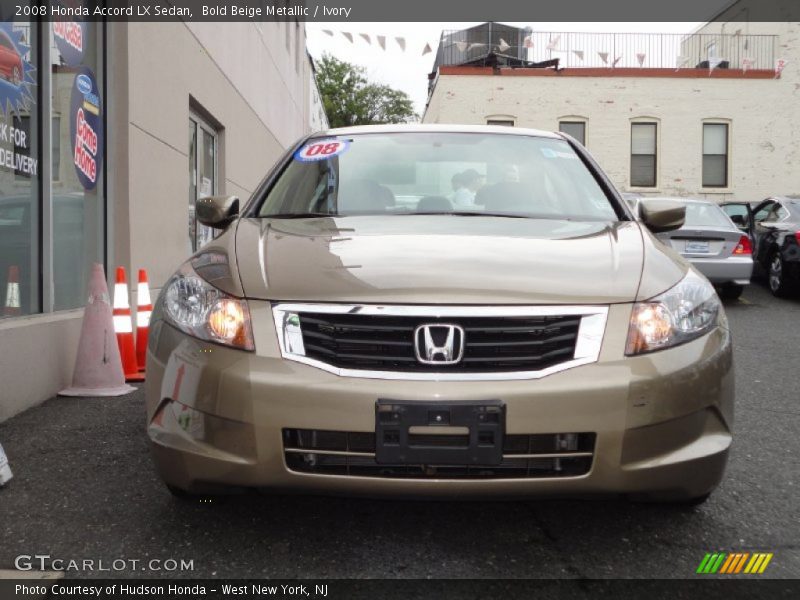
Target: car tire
{"type": "Point", "coordinates": [731, 291]}
{"type": "Point", "coordinates": [776, 279]}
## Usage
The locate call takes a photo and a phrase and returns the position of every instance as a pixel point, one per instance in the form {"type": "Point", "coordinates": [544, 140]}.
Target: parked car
{"type": "Point", "coordinates": [537, 341]}
{"type": "Point", "coordinates": [10, 60]}
{"type": "Point", "coordinates": [774, 227]}
{"type": "Point", "coordinates": [711, 241]}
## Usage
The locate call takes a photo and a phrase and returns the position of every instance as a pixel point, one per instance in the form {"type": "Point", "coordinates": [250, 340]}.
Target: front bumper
{"type": "Point", "coordinates": [662, 421]}
{"type": "Point", "coordinates": [733, 269]}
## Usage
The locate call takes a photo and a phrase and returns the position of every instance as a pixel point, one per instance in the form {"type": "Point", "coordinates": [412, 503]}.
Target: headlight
{"type": "Point", "coordinates": [199, 309]}
{"type": "Point", "coordinates": [681, 314]}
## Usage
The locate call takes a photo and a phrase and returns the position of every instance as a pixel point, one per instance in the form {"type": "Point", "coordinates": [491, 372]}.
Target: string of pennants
{"type": "Point", "coordinates": [552, 45]}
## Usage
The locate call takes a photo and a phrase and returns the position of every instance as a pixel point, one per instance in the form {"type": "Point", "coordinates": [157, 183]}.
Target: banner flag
{"type": "Point", "coordinates": [426, 50]}
{"type": "Point", "coordinates": [553, 43]}
{"type": "Point", "coordinates": [747, 64]}
{"type": "Point", "coordinates": [366, 38]}
{"type": "Point", "coordinates": [381, 41]}
{"type": "Point", "coordinates": [503, 45]}
{"type": "Point", "coordinates": [578, 53]}
{"type": "Point", "coordinates": [779, 65]}
{"type": "Point", "coordinates": [401, 41]}
{"type": "Point", "coordinates": [349, 36]}
{"type": "Point", "coordinates": [640, 56]}
{"type": "Point", "coordinates": [603, 56]}
{"type": "Point", "coordinates": [327, 32]}
{"type": "Point", "coordinates": [527, 42]}
{"type": "Point", "coordinates": [461, 46]}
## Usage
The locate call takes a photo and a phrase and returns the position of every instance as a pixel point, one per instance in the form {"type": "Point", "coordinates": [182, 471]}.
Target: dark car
{"type": "Point", "coordinates": [774, 225]}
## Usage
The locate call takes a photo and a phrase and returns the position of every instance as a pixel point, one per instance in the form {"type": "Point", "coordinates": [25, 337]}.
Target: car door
{"type": "Point", "coordinates": [770, 230]}
{"type": "Point", "coordinates": [759, 213]}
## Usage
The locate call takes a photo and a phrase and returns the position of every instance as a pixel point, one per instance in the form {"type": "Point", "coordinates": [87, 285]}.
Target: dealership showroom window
{"type": "Point", "coordinates": [52, 199]}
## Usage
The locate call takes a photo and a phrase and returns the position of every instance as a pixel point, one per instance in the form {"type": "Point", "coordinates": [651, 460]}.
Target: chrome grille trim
{"type": "Point", "coordinates": [587, 347]}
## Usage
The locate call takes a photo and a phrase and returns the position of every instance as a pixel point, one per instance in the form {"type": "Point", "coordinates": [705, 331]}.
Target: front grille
{"type": "Point", "coordinates": [492, 344]}
{"type": "Point", "coordinates": [525, 456]}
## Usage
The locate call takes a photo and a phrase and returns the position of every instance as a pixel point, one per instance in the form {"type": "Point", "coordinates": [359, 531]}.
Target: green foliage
{"type": "Point", "coordinates": [351, 99]}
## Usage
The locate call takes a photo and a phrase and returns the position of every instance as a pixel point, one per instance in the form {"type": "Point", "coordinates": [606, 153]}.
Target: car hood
{"type": "Point", "coordinates": [441, 259]}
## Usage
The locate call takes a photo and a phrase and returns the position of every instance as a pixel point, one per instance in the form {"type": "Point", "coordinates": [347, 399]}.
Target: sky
{"type": "Point", "coordinates": [408, 70]}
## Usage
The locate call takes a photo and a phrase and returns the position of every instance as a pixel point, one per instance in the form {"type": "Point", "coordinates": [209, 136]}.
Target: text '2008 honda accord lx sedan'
{"type": "Point", "coordinates": [439, 311]}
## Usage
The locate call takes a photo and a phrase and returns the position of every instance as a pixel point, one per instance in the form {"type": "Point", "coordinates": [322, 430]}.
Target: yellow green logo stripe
{"type": "Point", "coordinates": [734, 562]}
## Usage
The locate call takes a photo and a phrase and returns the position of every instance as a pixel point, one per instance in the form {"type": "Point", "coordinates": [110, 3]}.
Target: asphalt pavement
{"type": "Point", "coordinates": [84, 488]}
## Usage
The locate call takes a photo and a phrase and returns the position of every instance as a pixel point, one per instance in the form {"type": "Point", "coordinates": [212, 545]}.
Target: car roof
{"type": "Point", "coordinates": [420, 128]}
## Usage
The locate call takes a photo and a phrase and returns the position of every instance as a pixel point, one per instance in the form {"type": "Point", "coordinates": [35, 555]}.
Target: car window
{"type": "Point", "coordinates": [12, 215]}
{"type": "Point", "coordinates": [763, 212]}
{"type": "Point", "coordinates": [430, 172]}
{"type": "Point", "coordinates": [705, 215]}
{"type": "Point", "coordinates": [794, 208]}
{"type": "Point", "coordinates": [735, 209]}
{"type": "Point", "coordinates": [776, 213]}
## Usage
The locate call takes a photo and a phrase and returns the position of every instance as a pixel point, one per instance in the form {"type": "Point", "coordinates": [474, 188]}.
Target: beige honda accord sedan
{"type": "Point", "coordinates": [439, 311]}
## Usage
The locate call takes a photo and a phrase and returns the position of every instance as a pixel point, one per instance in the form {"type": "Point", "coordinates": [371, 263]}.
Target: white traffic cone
{"type": "Point", "coordinates": [98, 367]}
{"type": "Point", "coordinates": [5, 470]}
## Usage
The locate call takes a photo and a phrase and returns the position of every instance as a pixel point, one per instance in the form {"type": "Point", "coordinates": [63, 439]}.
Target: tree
{"type": "Point", "coordinates": [350, 98]}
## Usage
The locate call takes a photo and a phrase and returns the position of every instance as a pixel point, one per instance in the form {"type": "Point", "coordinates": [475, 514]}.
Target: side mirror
{"type": "Point", "coordinates": [662, 215]}
{"type": "Point", "coordinates": [217, 211]}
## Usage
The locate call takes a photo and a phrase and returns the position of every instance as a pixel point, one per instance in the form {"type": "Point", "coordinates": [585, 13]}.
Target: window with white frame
{"type": "Point", "coordinates": [644, 149]}
{"type": "Point", "coordinates": [715, 155]}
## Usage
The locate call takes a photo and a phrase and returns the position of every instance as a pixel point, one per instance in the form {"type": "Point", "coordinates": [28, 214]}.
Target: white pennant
{"type": "Point", "coordinates": [503, 45]}
{"type": "Point", "coordinates": [475, 45]}
{"type": "Point", "coordinates": [779, 65]}
{"type": "Point", "coordinates": [527, 42]}
{"type": "Point", "coordinates": [713, 63]}
{"type": "Point", "coordinates": [640, 56]}
{"type": "Point", "coordinates": [578, 53]}
{"type": "Point", "coordinates": [327, 32]}
{"type": "Point", "coordinates": [366, 38]}
{"type": "Point", "coordinates": [461, 46]}
{"type": "Point", "coordinates": [427, 49]}
{"type": "Point", "coordinates": [401, 41]}
{"type": "Point", "coordinates": [747, 64]}
{"type": "Point", "coordinates": [681, 61]}
{"type": "Point", "coordinates": [381, 41]}
{"type": "Point", "coordinates": [553, 43]}
{"type": "Point", "coordinates": [603, 56]}
{"type": "Point", "coordinates": [348, 35]}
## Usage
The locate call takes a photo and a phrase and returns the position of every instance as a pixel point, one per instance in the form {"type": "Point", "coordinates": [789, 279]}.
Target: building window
{"type": "Point", "coordinates": [20, 183]}
{"type": "Point", "coordinates": [576, 129]}
{"type": "Point", "coordinates": [503, 122]}
{"type": "Point", "coordinates": [643, 154]}
{"type": "Point", "coordinates": [203, 148]}
{"type": "Point", "coordinates": [78, 195]}
{"type": "Point", "coordinates": [715, 155]}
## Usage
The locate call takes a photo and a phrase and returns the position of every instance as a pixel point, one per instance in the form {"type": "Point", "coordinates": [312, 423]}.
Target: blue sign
{"type": "Point", "coordinates": [86, 128]}
{"type": "Point", "coordinates": [16, 73]}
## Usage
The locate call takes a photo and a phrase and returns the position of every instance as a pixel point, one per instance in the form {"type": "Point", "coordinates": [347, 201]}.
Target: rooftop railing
{"type": "Point", "coordinates": [506, 45]}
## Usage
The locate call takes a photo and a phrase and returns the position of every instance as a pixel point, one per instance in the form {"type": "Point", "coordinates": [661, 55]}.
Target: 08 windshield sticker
{"type": "Point", "coordinates": [321, 150]}
{"type": "Point", "coordinates": [550, 153]}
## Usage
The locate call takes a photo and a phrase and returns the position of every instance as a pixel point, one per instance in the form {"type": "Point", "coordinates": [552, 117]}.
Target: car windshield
{"type": "Point", "coordinates": [705, 215]}
{"type": "Point", "coordinates": [461, 174]}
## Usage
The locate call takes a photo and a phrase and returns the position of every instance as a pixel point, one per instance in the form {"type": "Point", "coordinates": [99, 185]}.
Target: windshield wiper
{"type": "Point", "coordinates": [473, 213]}
{"type": "Point", "coordinates": [306, 215]}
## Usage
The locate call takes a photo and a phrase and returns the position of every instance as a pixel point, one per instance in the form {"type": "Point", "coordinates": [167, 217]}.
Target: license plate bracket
{"type": "Point", "coordinates": [481, 443]}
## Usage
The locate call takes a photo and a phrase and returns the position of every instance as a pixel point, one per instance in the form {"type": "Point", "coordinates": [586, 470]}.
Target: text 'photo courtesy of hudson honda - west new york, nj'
{"type": "Point", "coordinates": [358, 299]}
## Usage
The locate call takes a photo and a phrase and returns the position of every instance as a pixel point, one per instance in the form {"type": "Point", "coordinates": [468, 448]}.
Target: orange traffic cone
{"type": "Point", "coordinates": [123, 326]}
{"type": "Point", "coordinates": [12, 307]}
{"type": "Point", "coordinates": [98, 369]}
{"type": "Point", "coordinates": [144, 308]}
